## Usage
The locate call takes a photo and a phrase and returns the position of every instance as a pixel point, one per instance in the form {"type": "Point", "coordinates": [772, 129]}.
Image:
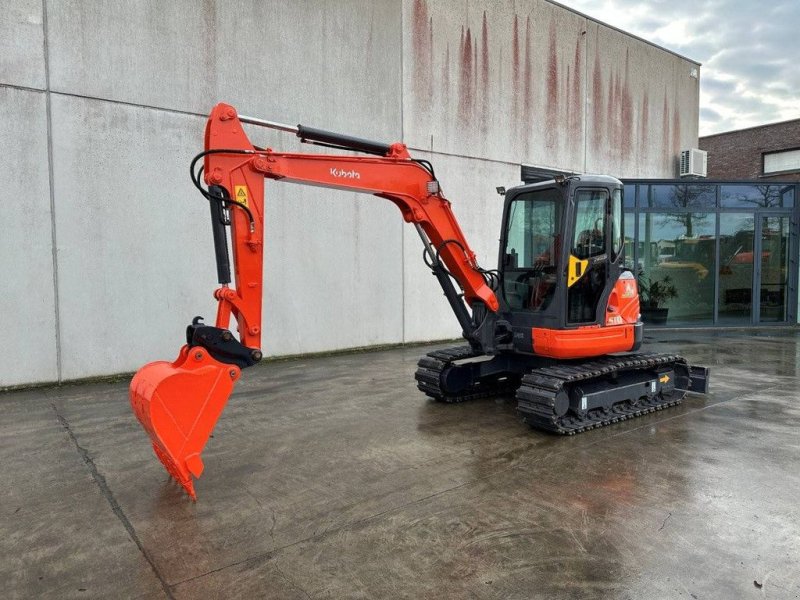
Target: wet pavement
{"type": "Point", "coordinates": [333, 477]}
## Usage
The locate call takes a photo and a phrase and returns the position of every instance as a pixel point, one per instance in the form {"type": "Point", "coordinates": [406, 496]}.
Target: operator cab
{"type": "Point", "coordinates": [560, 254]}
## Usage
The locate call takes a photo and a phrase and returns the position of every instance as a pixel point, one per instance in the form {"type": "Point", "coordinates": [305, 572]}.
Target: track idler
{"type": "Point", "coordinates": [178, 405]}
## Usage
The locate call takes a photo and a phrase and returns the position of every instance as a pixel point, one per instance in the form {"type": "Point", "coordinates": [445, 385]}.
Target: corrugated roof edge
{"type": "Point", "coordinates": [628, 33]}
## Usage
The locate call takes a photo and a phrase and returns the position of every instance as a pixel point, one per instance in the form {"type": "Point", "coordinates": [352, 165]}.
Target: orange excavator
{"type": "Point", "coordinates": [548, 324]}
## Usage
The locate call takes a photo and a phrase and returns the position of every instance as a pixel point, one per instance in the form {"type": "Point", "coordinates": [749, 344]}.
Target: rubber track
{"type": "Point", "coordinates": [431, 366]}
{"type": "Point", "coordinates": [536, 395]}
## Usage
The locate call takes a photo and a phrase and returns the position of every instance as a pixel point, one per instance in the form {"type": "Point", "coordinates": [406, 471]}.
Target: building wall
{"type": "Point", "coordinates": [529, 81]}
{"type": "Point", "coordinates": [739, 154]}
{"type": "Point", "coordinates": [108, 254]}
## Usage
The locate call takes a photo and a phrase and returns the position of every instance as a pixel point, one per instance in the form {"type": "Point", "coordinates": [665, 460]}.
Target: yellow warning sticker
{"type": "Point", "coordinates": [240, 195]}
{"type": "Point", "coordinates": [628, 291]}
{"type": "Point", "coordinates": [577, 268]}
{"type": "Point", "coordinates": [664, 379]}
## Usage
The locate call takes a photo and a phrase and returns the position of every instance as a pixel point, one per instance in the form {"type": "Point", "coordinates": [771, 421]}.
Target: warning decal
{"type": "Point", "coordinates": [240, 195]}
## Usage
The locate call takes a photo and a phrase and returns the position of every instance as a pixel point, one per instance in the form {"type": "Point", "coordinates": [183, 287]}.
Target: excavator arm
{"type": "Point", "coordinates": [179, 403]}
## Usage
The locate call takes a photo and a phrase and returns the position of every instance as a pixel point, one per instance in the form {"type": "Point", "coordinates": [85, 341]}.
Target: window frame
{"type": "Point", "coordinates": [558, 214]}
{"type": "Point", "coordinates": [574, 234]}
{"type": "Point", "coordinates": [765, 173]}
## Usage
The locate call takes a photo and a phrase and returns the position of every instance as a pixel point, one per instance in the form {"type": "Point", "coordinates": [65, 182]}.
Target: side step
{"type": "Point", "coordinates": [698, 380]}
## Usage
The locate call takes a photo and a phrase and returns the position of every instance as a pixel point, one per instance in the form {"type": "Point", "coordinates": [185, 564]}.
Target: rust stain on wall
{"type": "Point", "coordinates": [484, 76]}
{"type": "Point", "coordinates": [515, 73]}
{"type": "Point", "coordinates": [429, 75]}
{"type": "Point", "coordinates": [466, 98]}
{"type": "Point", "coordinates": [610, 146]}
{"type": "Point", "coordinates": [551, 111]}
{"type": "Point", "coordinates": [575, 100]}
{"type": "Point", "coordinates": [666, 141]}
{"type": "Point", "coordinates": [485, 55]}
{"type": "Point", "coordinates": [618, 125]}
{"type": "Point", "coordinates": [446, 75]}
{"type": "Point", "coordinates": [474, 80]}
{"type": "Point", "coordinates": [422, 51]}
{"type": "Point", "coordinates": [458, 67]}
{"type": "Point", "coordinates": [536, 84]}
{"type": "Point", "coordinates": [568, 104]}
{"type": "Point", "coordinates": [626, 110]}
{"type": "Point", "coordinates": [644, 130]}
{"type": "Point", "coordinates": [528, 93]}
{"type": "Point", "coordinates": [598, 124]}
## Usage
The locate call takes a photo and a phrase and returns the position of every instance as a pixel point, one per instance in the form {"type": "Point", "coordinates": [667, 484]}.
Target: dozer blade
{"type": "Point", "coordinates": [178, 405]}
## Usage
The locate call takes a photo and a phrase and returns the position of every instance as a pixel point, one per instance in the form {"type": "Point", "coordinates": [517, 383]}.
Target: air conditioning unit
{"type": "Point", "coordinates": [694, 163]}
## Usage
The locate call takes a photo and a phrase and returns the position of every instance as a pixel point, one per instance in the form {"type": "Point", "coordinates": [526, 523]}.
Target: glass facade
{"type": "Point", "coordinates": [713, 253]}
{"type": "Point", "coordinates": [737, 233]}
{"type": "Point", "coordinates": [669, 257]}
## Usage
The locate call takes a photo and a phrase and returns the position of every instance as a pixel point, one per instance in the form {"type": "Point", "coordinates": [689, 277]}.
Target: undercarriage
{"type": "Point", "coordinates": [565, 397]}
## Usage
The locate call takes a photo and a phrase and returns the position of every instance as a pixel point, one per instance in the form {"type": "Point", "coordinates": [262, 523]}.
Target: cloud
{"type": "Point", "coordinates": [713, 85]}
{"type": "Point", "coordinates": [710, 115]}
{"type": "Point", "coordinates": [749, 50]}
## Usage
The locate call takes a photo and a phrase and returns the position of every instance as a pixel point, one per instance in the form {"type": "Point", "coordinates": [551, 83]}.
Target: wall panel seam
{"type": "Point", "coordinates": [22, 88]}
{"type": "Point", "coordinates": [497, 161]}
{"type": "Point", "coordinates": [175, 111]}
{"type": "Point", "coordinates": [53, 237]}
{"type": "Point", "coordinates": [402, 138]}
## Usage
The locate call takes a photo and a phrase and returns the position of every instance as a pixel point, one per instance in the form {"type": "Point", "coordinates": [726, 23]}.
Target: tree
{"type": "Point", "coordinates": [767, 196]}
{"type": "Point", "coordinates": [687, 197]}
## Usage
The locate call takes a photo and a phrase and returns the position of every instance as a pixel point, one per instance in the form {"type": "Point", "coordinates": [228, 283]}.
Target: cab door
{"type": "Point", "coordinates": [595, 254]}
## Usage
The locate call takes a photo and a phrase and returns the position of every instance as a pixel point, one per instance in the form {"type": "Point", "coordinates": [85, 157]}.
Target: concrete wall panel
{"type": "Point", "coordinates": [642, 106]}
{"type": "Point", "coordinates": [478, 87]}
{"type": "Point", "coordinates": [502, 80]}
{"type": "Point", "coordinates": [333, 270]}
{"type": "Point", "coordinates": [333, 65]}
{"type": "Point", "coordinates": [470, 185]}
{"type": "Point", "coordinates": [135, 259]}
{"type": "Point", "coordinates": [27, 305]}
{"type": "Point", "coordinates": [22, 44]}
{"type": "Point", "coordinates": [528, 81]}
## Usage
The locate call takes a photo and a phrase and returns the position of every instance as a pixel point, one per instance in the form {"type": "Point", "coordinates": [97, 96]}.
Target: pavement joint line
{"type": "Point", "coordinates": [290, 580]}
{"type": "Point", "coordinates": [665, 521]}
{"type": "Point", "coordinates": [100, 480]}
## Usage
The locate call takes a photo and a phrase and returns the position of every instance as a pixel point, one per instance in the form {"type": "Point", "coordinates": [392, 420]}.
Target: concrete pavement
{"type": "Point", "coordinates": [332, 477]}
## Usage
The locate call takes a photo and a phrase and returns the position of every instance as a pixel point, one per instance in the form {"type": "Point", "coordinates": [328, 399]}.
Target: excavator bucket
{"type": "Point", "coordinates": [178, 405]}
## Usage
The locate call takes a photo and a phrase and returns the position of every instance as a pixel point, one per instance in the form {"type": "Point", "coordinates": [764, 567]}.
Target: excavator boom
{"type": "Point", "coordinates": [179, 403]}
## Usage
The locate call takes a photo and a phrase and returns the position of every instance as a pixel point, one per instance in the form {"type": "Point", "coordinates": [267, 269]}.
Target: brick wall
{"type": "Point", "coordinates": [738, 154]}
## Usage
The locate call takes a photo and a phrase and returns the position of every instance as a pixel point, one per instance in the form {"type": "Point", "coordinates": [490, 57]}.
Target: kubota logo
{"type": "Point", "coordinates": [341, 173]}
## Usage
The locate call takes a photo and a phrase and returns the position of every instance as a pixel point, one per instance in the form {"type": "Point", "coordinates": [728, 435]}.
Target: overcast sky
{"type": "Point", "coordinates": [750, 52]}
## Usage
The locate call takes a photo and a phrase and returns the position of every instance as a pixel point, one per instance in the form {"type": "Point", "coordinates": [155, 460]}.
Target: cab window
{"type": "Point", "coordinates": [533, 246]}
{"type": "Point", "coordinates": [590, 223]}
{"type": "Point", "coordinates": [616, 223]}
